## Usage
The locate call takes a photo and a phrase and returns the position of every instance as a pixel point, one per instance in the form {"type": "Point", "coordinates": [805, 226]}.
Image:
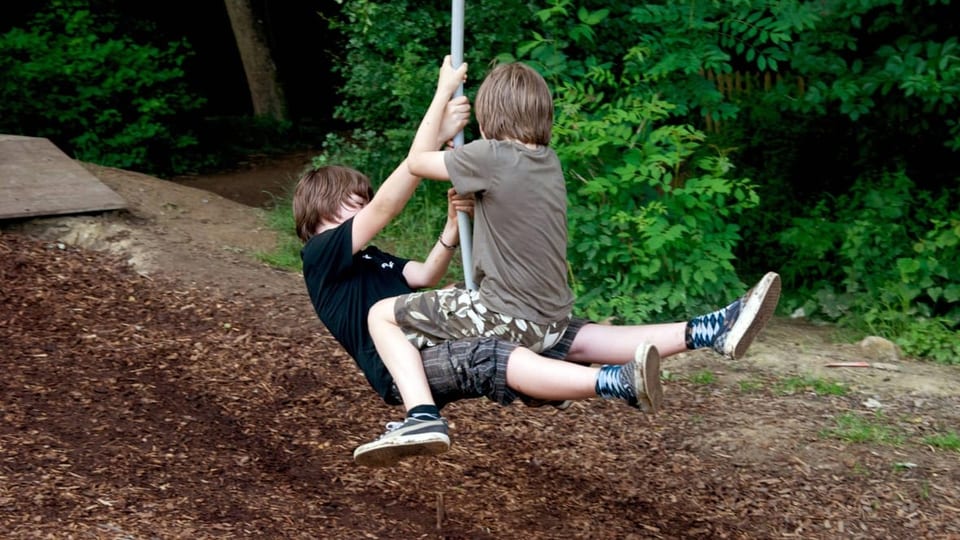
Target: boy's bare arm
{"type": "Point", "coordinates": [397, 189]}
{"type": "Point", "coordinates": [424, 160]}
{"type": "Point", "coordinates": [429, 272]}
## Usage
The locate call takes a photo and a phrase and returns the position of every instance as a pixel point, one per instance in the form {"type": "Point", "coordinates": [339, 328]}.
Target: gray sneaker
{"type": "Point", "coordinates": [642, 375]}
{"type": "Point", "coordinates": [412, 437]}
{"type": "Point", "coordinates": [534, 403]}
{"type": "Point", "coordinates": [746, 317]}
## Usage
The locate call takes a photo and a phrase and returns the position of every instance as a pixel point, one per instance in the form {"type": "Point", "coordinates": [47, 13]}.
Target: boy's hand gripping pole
{"type": "Point", "coordinates": [463, 219]}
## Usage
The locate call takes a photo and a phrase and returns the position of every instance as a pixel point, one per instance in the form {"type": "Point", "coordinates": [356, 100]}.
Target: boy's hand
{"type": "Point", "coordinates": [450, 78]}
{"type": "Point", "coordinates": [455, 118]}
{"type": "Point", "coordinates": [458, 203]}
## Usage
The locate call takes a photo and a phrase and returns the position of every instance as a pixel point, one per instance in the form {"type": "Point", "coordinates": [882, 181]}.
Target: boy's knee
{"type": "Point", "coordinates": [382, 311]}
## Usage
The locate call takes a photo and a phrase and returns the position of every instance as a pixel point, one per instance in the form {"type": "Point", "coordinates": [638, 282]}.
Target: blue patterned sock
{"type": "Point", "coordinates": [703, 330]}
{"type": "Point", "coordinates": [610, 384]}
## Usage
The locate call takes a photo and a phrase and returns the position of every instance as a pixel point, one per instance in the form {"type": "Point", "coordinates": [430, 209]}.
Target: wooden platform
{"type": "Point", "coordinates": [38, 179]}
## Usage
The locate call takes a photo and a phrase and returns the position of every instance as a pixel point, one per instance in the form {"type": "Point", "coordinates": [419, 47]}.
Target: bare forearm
{"type": "Point", "coordinates": [428, 133]}
{"type": "Point", "coordinates": [429, 272]}
{"type": "Point", "coordinates": [438, 260]}
{"type": "Point", "coordinates": [395, 191]}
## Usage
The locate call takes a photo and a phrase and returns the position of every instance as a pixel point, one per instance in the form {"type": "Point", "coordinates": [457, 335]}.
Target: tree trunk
{"type": "Point", "coordinates": [265, 90]}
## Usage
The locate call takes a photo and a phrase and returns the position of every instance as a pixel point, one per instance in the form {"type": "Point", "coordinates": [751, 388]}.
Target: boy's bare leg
{"type": "Point", "coordinates": [609, 344]}
{"type": "Point", "coordinates": [400, 357]}
{"type": "Point", "coordinates": [729, 331]}
{"type": "Point", "coordinates": [417, 435]}
{"type": "Point", "coordinates": [636, 381]}
{"type": "Point", "coordinates": [532, 375]}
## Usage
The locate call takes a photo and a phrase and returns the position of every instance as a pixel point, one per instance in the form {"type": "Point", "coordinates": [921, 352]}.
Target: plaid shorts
{"type": "Point", "coordinates": [432, 317]}
{"type": "Point", "coordinates": [477, 367]}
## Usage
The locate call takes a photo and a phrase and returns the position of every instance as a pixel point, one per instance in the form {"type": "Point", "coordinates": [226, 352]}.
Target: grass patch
{"type": "Point", "coordinates": [854, 428]}
{"type": "Point", "coordinates": [817, 385]}
{"type": "Point", "coordinates": [287, 253]}
{"type": "Point", "coordinates": [944, 441]}
{"type": "Point", "coordinates": [750, 386]}
{"type": "Point", "coordinates": [703, 377]}
{"type": "Point", "coordinates": [286, 256]}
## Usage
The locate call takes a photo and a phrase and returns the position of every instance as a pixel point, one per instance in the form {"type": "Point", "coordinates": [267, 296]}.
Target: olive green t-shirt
{"type": "Point", "coordinates": [519, 227]}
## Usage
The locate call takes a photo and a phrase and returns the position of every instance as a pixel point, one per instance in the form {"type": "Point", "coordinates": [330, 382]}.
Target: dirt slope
{"type": "Point", "coordinates": [161, 383]}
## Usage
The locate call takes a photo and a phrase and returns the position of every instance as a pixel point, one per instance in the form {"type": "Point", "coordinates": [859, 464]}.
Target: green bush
{"type": "Point", "coordinates": [77, 79]}
{"type": "Point", "coordinates": [653, 208]}
{"type": "Point", "coordinates": [894, 264]}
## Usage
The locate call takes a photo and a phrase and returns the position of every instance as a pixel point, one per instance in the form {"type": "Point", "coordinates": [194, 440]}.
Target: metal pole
{"type": "Point", "coordinates": [463, 219]}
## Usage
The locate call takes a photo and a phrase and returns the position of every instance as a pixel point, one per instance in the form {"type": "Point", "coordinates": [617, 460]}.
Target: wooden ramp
{"type": "Point", "coordinates": [38, 179]}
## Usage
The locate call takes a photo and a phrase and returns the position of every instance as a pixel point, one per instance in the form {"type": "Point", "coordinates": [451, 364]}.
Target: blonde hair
{"type": "Point", "coordinates": [514, 102]}
{"type": "Point", "coordinates": [320, 193]}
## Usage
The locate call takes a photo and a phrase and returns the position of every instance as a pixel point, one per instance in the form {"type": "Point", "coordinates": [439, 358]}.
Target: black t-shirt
{"type": "Point", "coordinates": [343, 287]}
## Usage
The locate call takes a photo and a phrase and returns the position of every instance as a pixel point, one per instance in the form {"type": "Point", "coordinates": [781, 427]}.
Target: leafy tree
{"type": "Point", "coordinates": [73, 76]}
{"type": "Point", "coordinates": [653, 210]}
{"type": "Point", "coordinates": [266, 92]}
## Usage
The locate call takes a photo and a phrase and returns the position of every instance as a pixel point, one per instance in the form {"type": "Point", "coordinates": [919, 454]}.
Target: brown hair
{"type": "Point", "coordinates": [514, 102]}
{"type": "Point", "coordinates": [321, 191]}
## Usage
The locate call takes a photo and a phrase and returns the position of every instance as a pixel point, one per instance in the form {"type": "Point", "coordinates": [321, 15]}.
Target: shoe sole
{"type": "Point", "coordinates": [534, 403]}
{"type": "Point", "coordinates": [761, 302]}
{"type": "Point", "coordinates": [562, 405]}
{"type": "Point", "coordinates": [387, 453]}
{"type": "Point", "coordinates": [646, 375]}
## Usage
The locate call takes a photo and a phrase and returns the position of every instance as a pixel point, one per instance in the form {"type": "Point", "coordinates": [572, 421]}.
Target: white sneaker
{"type": "Point", "coordinates": [644, 378]}
{"type": "Point", "coordinates": [746, 317]}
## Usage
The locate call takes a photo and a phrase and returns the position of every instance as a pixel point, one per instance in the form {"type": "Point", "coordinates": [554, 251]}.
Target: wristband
{"type": "Point", "coordinates": [444, 244]}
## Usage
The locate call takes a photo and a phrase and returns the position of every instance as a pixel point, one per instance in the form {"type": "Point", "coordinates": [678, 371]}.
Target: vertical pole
{"type": "Point", "coordinates": [463, 220]}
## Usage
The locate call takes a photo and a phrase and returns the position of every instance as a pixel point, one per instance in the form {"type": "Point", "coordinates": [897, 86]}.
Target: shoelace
{"type": "Point", "coordinates": [392, 426]}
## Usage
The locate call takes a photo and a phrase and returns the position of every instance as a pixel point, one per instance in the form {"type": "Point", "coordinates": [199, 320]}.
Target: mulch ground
{"type": "Point", "coordinates": [133, 407]}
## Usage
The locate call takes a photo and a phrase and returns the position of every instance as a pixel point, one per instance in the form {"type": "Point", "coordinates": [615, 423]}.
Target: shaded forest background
{"type": "Point", "coordinates": [300, 42]}
{"type": "Point", "coordinates": [704, 142]}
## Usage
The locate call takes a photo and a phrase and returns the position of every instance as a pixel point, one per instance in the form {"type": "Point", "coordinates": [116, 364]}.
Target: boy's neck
{"type": "Point", "coordinates": [531, 146]}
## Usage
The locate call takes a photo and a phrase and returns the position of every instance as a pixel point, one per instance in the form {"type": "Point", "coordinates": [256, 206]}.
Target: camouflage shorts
{"type": "Point", "coordinates": [432, 317]}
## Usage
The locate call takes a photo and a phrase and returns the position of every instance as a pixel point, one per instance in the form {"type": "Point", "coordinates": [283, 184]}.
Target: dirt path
{"type": "Point", "coordinates": [161, 383]}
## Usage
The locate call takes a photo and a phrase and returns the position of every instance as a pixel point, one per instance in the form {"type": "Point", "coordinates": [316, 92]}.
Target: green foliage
{"type": "Point", "coordinates": [894, 264]}
{"type": "Point", "coordinates": [667, 110]}
{"type": "Point", "coordinates": [287, 253]}
{"type": "Point", "coordinates": [652, 207]}
{"type": "Point", "coordinates": [814, 97]}
{"type": "Point", "coordinates": [393, 51]}
{"type": "Point", "coordinates": [661, 212]}
{"type": "Point", "coordinates": [76, 78]}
